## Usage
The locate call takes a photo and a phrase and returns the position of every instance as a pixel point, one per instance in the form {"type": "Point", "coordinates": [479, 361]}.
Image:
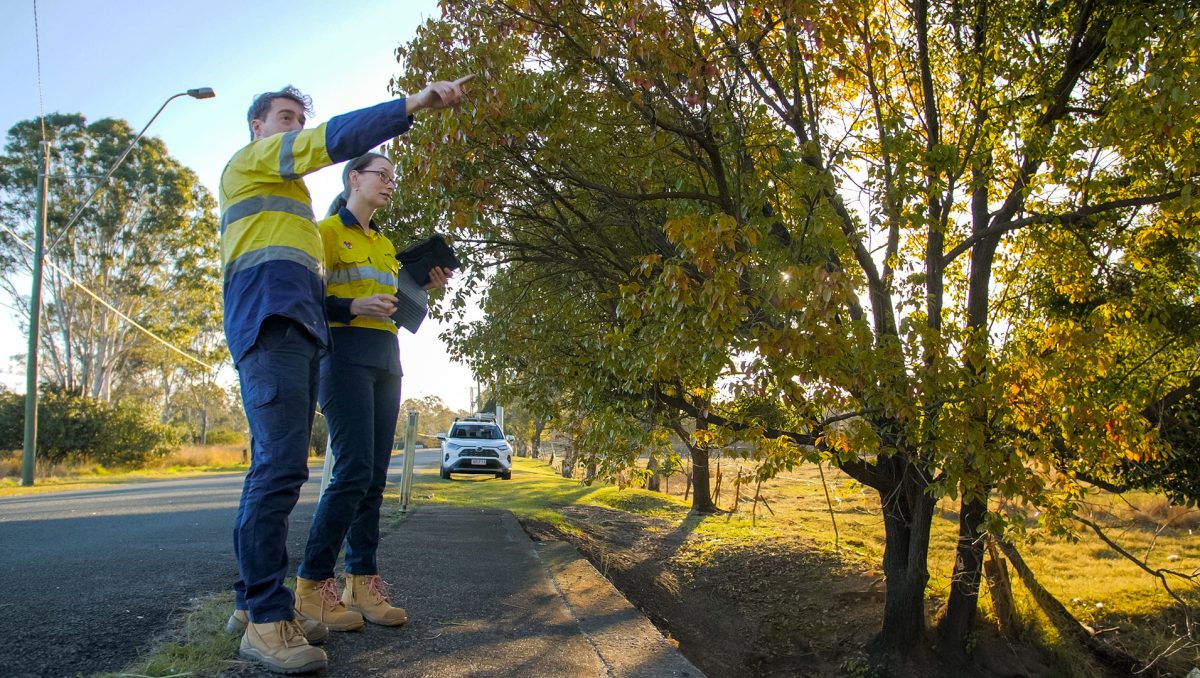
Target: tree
{"type": "Point", "coordinates": [433, 417]}
{"type": "Point", "coordinates": [145, 244]}
{"type": "Point", "coordinates": [560, 249]}
{"type": "Point", "coordinates": [841, 208]}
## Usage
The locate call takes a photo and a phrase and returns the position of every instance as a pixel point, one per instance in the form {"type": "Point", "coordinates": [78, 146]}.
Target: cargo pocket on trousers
{"type": "Point", "coordinates": [261, 395]}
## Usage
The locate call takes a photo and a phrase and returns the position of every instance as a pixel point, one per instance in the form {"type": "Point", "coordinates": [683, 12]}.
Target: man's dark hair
{"type": "Point", "coordinates": [262, 104]}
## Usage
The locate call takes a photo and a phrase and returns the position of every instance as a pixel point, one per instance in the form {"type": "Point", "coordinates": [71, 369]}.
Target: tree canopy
{"type": "Point", "coordinates": [145, 244]}
{"type": "Point", "coordinates": [949, 247]}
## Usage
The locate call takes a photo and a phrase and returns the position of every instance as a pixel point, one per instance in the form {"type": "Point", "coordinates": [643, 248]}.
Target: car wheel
{"type": "Point", "coordinates": [445, 473]}
{"type": "Point", "coordinates": [507, 475]}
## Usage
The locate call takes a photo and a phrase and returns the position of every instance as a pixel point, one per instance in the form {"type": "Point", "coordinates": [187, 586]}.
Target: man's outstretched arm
{"type": "Point", "coordinates": [349, 135]}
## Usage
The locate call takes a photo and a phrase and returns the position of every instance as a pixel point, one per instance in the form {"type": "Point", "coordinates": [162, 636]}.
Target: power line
{"type": "Point", "coordinates": [109, 306]}
{"type": "Point", "coordinates": [37, 44]}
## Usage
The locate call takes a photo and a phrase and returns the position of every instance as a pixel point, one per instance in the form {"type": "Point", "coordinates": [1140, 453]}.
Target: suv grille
{"type": "Point", "coordinates": [479, 452]}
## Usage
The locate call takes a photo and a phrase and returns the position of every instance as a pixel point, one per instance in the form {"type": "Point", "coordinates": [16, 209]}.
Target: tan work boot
{"type": "Point", "coordinates": [280, 647]}
{"type": "Point", "coordinates": [368, 594]}
{"type": "Point", "coordinates": [319, 601]}
{"type": "Point", "coordinates": [314, 632]}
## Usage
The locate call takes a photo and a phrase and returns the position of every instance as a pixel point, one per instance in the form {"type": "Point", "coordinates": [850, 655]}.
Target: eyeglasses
{"type": "Point", "coordinates": [385, 177]}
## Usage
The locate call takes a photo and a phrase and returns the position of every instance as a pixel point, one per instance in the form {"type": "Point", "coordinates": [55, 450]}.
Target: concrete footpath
{"type": "Point", "coordinates": [483, 599]}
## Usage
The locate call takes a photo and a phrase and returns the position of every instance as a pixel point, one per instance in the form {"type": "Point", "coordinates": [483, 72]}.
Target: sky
{"type": "Point", "coordinates": [123, 59]}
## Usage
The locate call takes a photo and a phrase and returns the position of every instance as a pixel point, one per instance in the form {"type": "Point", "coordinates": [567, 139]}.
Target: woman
{"type": "Point", "coordinates": [360, 398]}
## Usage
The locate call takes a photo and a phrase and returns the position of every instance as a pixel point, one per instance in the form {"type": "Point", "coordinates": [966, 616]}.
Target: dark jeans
{"type": "Point", "coordinates": [279, 386]}
{"type": "Point", "coordinates": [360, 405]}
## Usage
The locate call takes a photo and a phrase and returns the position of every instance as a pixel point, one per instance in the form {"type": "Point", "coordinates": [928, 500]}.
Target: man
{"type": "Point", "coordinates": [271, 256]}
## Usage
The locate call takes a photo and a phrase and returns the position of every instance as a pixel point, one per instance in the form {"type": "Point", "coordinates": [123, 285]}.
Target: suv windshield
{"type": "Point", "coordinates": [476, 432]}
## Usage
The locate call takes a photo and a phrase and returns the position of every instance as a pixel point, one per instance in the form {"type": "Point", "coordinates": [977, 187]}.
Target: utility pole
{"type": "Point", "coordinates": [35, 310]}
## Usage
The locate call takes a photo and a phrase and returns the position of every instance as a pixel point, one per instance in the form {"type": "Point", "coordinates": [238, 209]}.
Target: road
{"type": "Point", "coordinates": [92, 577]}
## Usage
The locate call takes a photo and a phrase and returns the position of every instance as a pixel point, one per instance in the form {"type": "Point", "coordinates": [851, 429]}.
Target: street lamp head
{"type": "Point", "coordinates": [201, 93]}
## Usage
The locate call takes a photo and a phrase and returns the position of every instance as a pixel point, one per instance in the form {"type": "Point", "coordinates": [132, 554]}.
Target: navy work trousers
{"type": "Point", "coordinates": [279, 388]}
{"type": "Point", "coordinates": [360, 405]}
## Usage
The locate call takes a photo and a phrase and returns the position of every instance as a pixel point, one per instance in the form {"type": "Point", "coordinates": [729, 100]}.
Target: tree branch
{"type": "Point", "coordinates": [1073, 217]}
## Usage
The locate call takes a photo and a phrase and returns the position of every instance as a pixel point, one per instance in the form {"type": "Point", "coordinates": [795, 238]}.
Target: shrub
{"type": "Point", "coordinates": [224, 436]}
{"type": "Point", "coordinates": [78, 429]}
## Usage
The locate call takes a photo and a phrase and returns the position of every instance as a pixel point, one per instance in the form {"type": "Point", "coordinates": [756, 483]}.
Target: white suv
{"type": "Point", "coordinates": [476, 445]}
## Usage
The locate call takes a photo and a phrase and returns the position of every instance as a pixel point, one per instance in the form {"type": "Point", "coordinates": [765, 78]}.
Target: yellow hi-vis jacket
{"type": "Point", "coordinates": [271, 252]}
{"type": "Point", "coordinates": [357, 265]}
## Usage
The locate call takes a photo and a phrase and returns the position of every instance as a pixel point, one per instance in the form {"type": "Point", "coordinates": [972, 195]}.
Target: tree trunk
{"type": "Point", "coordinates": [1000, 586]}
{"type": "Point", "coordinates": [698, 479]}
{"type": "Point", "coordinates": [963, 606]}
{"type": "Point", "coordinates": [654, 482]}
{"type": "Point", "coordinates": [535, 442]}
{"type": "Point", "coordinates": [907, 517]}
{"type": "Point", "coordinates": [204, 426]}
{"type": "Point", "coordinates": [1066, 623]}
{"type": "Point", "coordinates": [568, 463]}
{"type": "Point", "coordinates": [701, 493]}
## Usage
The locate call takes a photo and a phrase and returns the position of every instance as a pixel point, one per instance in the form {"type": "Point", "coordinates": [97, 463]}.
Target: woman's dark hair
{"type": "Point", "coordinates": [353, 166]}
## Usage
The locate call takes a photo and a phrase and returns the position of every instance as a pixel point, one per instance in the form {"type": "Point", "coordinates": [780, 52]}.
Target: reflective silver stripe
{"type": "Point", "coordinates": [287, 161]}
{"type": "Point", "coordinates": [264, 203]}
{"type": "Point", "coordinates": [273, 253]}
{"type": "Point", "coordinates": [351, 274]}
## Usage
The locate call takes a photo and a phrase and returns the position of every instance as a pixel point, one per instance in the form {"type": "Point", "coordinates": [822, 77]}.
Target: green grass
{"type": "Point", "coordinates": [535, 491]}
{"type": "Point", "coordinates": [201, 649]}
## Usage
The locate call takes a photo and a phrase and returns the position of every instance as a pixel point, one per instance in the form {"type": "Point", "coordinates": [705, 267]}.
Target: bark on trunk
{"type": "Point", "coordinates": [698, 479]}
{"type": "Point", "coordinates": [535, 443]}
{"type": "Point", "coordinates": [1066, 623]}
{"type": "Point", "coordinates": [568, 463]}
{"type": "Point", "coordinates": [963, 606]}
{"type": "Point", "coordinates": [654, 482]}
{"type": "Point", "coordinates": [701, 493]}
{"type": "Point", "coordinates": [907, 517]}
{"type": "Point", "coordinates": [1000, 586]}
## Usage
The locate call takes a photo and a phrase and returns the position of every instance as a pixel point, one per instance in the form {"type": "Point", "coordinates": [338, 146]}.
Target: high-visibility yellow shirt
{"type": "Point", "coordinates": [271, 253]}
{"type": "Point", "coordinates": [357, 264]}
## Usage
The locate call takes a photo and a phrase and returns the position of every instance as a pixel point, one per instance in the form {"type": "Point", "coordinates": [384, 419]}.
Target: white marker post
{"type": "Point", "coordinates": [328, 467]}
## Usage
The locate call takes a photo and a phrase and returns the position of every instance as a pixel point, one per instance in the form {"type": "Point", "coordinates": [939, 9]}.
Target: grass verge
{"type": "Point", "coordinates": [537, 492]}
{"type": "Point", "coordinates": [201, 647]}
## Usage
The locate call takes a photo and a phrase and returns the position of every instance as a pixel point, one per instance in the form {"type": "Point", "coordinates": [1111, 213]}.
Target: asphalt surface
{"type": "Point", "coordinates": [484, 600]}
{"type": "Point", "coordinates": [95, 576]}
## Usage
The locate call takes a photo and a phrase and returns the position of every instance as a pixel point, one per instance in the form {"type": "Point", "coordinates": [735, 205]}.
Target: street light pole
{"type": "Point", "coordinates": [39, 255]}
{"type": "Point", "coordinates": [198, 93]}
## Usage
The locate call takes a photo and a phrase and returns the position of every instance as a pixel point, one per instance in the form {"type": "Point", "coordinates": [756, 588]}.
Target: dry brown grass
{"type": "Point", "coordinates": [188, 460]}
{"type": "Point", "coordinates": [204, 455]}
{"type": "Point", "coordinates": [1098, 585]}
{"type": "Point", "coordinates": [10, 464]}
{"type": "Point", "coordinates": [1158, 512]}
{"type": "Point", "coordinates": [10, 468]}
